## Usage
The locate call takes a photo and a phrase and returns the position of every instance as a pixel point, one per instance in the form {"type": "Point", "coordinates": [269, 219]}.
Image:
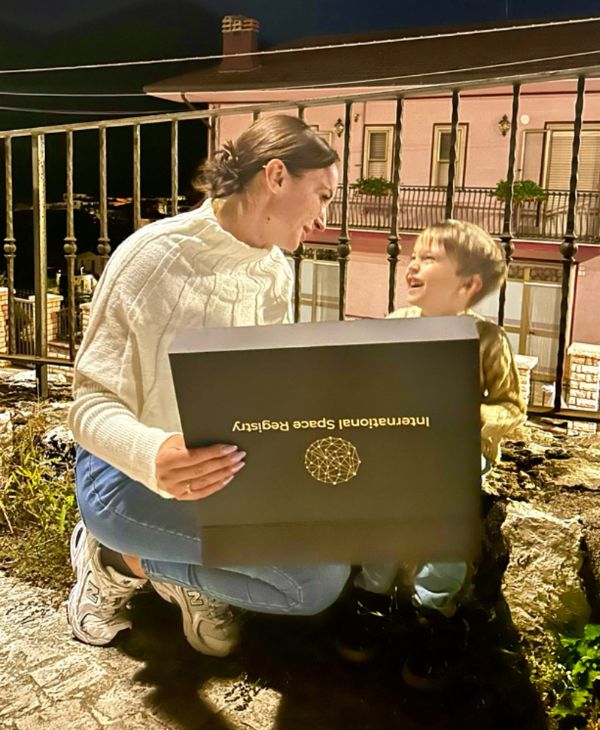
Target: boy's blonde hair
{"type": "Point", "coordinates": [474, 251]}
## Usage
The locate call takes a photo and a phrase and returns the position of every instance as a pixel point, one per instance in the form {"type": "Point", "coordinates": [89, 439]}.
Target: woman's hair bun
{"type": "Point", "coordinates": [279, 136]}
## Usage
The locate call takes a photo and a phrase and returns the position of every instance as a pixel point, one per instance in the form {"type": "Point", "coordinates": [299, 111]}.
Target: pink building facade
{"type": "Point", "coordinates": [544, 134]}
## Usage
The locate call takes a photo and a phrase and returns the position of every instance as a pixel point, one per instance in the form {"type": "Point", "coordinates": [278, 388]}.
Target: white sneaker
{"type": "Point", "coordinates": [96, 602]}
{"type": "Point", "coordinates": [209, 625]}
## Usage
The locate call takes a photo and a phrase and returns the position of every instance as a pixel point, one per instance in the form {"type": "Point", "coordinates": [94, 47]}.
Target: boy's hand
{"type": "Point", "coordinates": [190, 474]}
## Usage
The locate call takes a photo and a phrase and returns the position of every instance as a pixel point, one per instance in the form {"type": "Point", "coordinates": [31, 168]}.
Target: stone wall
{"type": "Point", "coordinates": [85, 316]}
{"type": "Point", "coordinates": [584, 376]}
{"type": "Point", "coordinates": [584, 383]}
{"type": "Point", "coordinates": [4, 324]}
{"type": "Point", "coordinates": [3, 319]}
{"type": "Point", "coordinates": [525, 365]}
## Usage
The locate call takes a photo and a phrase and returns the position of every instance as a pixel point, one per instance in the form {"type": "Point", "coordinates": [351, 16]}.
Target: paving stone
{"type": "Point", "coordinates": [117, 703]}
{"type": "Point", "coordinates": [68, 714]}
{"type": "Point", "coordinates": [241, 701]}
{"type": "Point", "coordinates": [68, 676]}
{"type": "Point", "coordinates": [19, 699]}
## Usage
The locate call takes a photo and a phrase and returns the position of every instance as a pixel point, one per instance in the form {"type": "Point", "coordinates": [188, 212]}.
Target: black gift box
{"type": "Point", "coordinates": [362, 439]}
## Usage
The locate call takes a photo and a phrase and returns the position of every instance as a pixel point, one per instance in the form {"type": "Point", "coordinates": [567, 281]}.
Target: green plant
{"type": "Point", "coordinates": [522, 190]}
{"type": "Point", "coordinates": [36, 489]}
{"type": "Point", "coordinates": [373, 186]}
{"type": "Point", "coordinates": [577, 698]}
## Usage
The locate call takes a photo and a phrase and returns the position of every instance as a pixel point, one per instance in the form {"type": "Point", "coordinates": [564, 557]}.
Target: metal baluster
{"type": "Point", "coordinates": [297, 256]}
{"type": "Point", "coordinates": [452, 159]}
{"type": "Point", "coordinates": [174, 167]}
{"type": "Point", "coordinates": [393, 247]}
{"type": "Point", "coordinates": [10, 248]}
{"type": "Point", "coordinates": [568, 247]}
{"type": "Point", "coordinates": [343, 249]}
{"type": "Point", "coordinates": [212, 136]}
{"type": "Point", "coordinates": [137, 184]}
{"type": "Point", "coordinates": [70, 249]}
{"type": "Point", "coordinates": [40, 263]}
{"type": "Point", "coordinates": [103, 246]}
{"type": "Point", "coordinates": [507, 235]}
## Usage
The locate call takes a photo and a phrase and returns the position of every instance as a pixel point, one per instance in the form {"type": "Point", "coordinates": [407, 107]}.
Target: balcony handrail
{"type": "Point", "coordinates": [423, 89]}
{"type": "Point", "coordinates": [497, 216]}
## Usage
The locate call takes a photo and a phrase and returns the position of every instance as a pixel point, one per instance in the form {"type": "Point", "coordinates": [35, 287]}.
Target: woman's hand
{"type": "Point", "coordinates": [189, 474]}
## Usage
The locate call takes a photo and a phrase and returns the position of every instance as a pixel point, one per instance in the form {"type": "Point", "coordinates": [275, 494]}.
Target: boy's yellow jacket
{"type": "Point", "coordinates": [502, 408]}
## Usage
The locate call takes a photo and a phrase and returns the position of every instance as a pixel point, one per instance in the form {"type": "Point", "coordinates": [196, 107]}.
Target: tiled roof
{"type": "Point", "coordinates": [446, 58]}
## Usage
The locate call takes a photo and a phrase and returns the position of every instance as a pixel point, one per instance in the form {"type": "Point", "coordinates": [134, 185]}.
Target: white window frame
{"type": "Point", "coordinates": [370, 129]}
{"type": "Point", "coordinates": [461, 147]}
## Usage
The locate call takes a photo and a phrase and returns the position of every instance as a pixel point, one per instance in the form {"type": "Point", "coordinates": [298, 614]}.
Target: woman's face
{"type": "Point", "coordinates": [299, 205]}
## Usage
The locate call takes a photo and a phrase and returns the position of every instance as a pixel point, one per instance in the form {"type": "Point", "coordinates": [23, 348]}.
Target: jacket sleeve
{"type": "Point", "coordinates": [502, 408]}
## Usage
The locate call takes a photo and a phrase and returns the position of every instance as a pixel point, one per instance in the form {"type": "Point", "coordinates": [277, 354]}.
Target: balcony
{"type": "Point", "coordinates": [420, 205]}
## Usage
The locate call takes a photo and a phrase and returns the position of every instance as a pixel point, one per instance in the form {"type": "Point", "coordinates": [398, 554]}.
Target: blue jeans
{"type": "Point", "coordinates": [435, 586]}
{"type": "Point", "coordinates": [127, 517]}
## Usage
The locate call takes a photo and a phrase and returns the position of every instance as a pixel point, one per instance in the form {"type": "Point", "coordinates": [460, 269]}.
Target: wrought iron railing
{"type": "Point", "coordinates": [565, 215]}
{"type": "Point", "coordinates": [421, 205]}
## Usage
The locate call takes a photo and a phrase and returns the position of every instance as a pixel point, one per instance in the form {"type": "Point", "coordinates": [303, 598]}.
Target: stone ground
{"type": "Point", "coordinates": [287, 674]}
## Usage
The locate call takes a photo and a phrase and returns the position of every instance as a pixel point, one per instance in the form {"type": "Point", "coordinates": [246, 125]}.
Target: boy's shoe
{"type": "Point", "coordinates": [365, 622]}
{"type": "Point", "coordinates": [209, 625]}
{"type": "Point", "coordinates": [438, 652]}
{"type": "Point", "coordinates": [95, 609]}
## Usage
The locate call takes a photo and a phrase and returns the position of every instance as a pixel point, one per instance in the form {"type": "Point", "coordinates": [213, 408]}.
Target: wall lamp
{"type": "Point", "coordinates": [504, 125]}
{"type": "Point", "coordinates": [339, 127]}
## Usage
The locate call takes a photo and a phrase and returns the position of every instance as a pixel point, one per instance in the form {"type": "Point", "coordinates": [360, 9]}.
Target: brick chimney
{"type": "Point", "coordinates": [240, 35]}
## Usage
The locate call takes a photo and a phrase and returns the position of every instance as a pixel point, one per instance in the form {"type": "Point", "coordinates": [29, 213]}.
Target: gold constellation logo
{"type": "Point", "coordinates": [332, 460]}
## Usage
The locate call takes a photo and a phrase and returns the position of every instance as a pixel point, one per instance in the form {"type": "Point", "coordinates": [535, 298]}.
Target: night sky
{"type": "Point", "coordinates": [42, 33]}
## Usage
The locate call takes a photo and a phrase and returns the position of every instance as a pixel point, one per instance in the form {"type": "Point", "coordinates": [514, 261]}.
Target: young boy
{"type": "Point", "coordinates": [454, 265]}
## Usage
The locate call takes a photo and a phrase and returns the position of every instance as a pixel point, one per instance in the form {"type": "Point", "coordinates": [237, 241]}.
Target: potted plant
{"type": "Point", "coordinates": [372, 186]}
{"type": "Point", "coordinates": [524, 192]}
{"type": "Point", "coordinates": [373, 197]}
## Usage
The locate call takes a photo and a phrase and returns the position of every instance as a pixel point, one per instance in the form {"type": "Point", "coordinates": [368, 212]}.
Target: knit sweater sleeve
{"type": "Point", "coordinates": [502, 408]}
{"type": "Point", "coordinates": [109, 380]}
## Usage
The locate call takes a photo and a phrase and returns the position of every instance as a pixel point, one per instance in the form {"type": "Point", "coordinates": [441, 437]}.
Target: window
{"type": "Point", "coordinates": [442, 134]}
{"type": "Point", "coordinates": [558, 153]}
{"type": "Point", "coordinates": [377, 157]}
{"type": "Point", "coordinates": [531, 317]}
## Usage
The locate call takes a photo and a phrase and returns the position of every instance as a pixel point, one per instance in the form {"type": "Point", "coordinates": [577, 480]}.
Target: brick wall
{"type": "Point", "coordinates": [4, 324]}
{"type": "Point", "coordinates": [54, 305]}
{"type": "Point", "coordinates": [525, 365]}
{"type": "Point", "coordinates": [85, 316]}
{"type": "Point", "coordinates": [584, 376]}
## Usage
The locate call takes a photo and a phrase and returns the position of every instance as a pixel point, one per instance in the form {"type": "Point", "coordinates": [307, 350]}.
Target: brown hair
{"type": "Point", "coordinates": [281, 137]}
{"type": "Point", "coordinates": [474, 251]}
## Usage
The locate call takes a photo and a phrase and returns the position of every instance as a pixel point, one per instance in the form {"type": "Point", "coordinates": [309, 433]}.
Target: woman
{"type": "Point", "coordinates": [137, 483]}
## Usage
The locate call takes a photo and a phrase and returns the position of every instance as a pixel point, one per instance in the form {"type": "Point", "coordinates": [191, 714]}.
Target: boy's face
{"type": "Point", "coordinates": [434, 284]}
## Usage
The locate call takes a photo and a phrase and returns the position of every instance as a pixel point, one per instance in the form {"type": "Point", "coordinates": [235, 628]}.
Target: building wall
{"type": "Point", "coordinates": [486, 148]}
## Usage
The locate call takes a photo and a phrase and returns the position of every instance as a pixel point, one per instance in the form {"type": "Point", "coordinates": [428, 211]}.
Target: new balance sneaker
{"type": "Point", "coordinates": [209, 625]}
{"type": "Point", "coordinates": [95, 609]}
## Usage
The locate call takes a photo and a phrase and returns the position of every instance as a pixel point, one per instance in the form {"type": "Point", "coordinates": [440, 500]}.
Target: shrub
{"type": "Point", "coordinates": [373, 186]}
{"type": "Point", "coordinates": [522, 190]}
{"type": "Point", "coordinates": [577, 699]}
{"type": "Point", "coordinates": [36, 489]}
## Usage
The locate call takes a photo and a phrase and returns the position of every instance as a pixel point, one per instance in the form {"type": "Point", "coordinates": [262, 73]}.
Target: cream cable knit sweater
{"type": "Point", "coordinates": [184, 271]}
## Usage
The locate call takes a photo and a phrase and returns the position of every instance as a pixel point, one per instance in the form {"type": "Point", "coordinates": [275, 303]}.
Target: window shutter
{"type": "Point", "coordinates": [559, 166]}
{"type": "Point", "coordinates": [377, 154]}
